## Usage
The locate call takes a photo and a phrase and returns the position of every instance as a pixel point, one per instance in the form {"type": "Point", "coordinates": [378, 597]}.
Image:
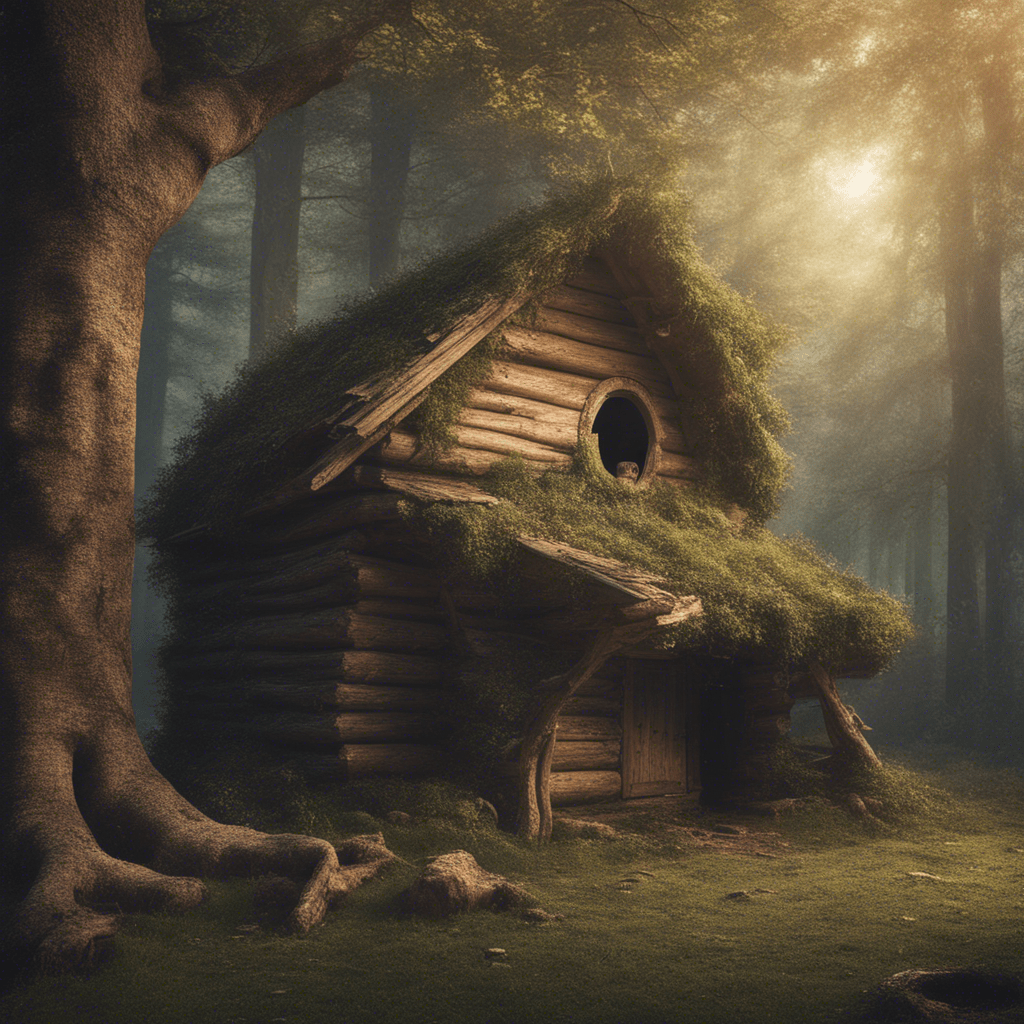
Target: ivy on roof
{"type": "Point", "coordinates": [238, 448]}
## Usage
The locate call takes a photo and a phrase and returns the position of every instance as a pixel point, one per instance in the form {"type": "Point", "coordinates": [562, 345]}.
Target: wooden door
{"type": "Point", "coordinates": [655, 718]}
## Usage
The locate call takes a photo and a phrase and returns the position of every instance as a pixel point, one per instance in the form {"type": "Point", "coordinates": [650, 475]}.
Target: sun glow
{"type": "Point", "coordinates": [859, 181]}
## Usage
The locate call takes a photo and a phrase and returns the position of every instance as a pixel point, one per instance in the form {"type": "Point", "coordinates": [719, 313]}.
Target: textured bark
{"type": "Point", "coordinates": [101, 155]}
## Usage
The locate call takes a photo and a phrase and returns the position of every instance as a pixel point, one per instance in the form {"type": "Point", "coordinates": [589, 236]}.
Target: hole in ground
{"type": "Point", "coordinates": [971, 989]}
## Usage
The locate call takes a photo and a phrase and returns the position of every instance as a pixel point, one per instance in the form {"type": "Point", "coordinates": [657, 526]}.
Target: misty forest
{"type": "Point", "coordinates": [816, 574]}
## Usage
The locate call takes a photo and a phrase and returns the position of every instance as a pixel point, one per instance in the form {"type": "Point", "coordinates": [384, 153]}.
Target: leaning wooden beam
{"type": "Point", "coordinates": [535, 752]}
{"type": "Point", "coordinates": [840, 723]}
{"type": "Point", "coordinates": [378, 403]}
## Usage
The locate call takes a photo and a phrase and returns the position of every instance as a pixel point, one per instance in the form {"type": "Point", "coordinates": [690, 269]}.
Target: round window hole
{"type": "Point", "coordinates": [622, 437]}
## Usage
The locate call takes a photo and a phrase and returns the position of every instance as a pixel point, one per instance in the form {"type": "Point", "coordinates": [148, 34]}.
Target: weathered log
{"type": "Point", "coordinates": [336, 515]}
{"type": "Point", "coordinates": [562, 436]}
{"type": "Point", "coordinates": [332, 555]}
{"type": "Point", "coordinates": [331, 627]}
{"type": "Point", "coordinates": [546, 413]}
{"type": "Point", "coordinates": [508, 444]}
{"type": "Point", "coordinates": [552, 352]}
{"type": "Point", "coordinates": [616, 336]}
{"type": "Point", "coordinates": [588, 727]}
{"type": "Point", "coordinates": [343, 666]}
{"type": "Point", "coordinates": [584, 787]}
{"type": "Point", "coordinates": [588, 303]}
{"type": "Point", "coordinates": [566, 389]}
{"type": "Point", "coordinates": [311, 729]}
{"type": "Point", "coordinates": [345, 697]}
{"type": "Point", "coordinates": [357, 760]}
{"type": "Point", "coordinates": [572, 756]}
{"type": "Point", "coordinates": [401, 448]}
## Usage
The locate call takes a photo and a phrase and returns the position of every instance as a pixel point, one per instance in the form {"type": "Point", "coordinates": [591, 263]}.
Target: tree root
{"type": "Point", "coordinates": [80, 854]}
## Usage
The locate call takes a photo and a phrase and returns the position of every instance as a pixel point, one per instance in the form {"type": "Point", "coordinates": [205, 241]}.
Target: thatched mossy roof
{"type": "Point", "coordinates": [239, 447]}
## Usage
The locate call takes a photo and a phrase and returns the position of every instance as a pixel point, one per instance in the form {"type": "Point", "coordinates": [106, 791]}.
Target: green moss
{"type": "Point", "coordinates": [759, 591]}
{"type": "Point", "coordinates": [270, 422]}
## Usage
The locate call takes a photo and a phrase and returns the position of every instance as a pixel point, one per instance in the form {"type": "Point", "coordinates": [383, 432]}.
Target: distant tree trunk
{"type": "Point", "coordinates": [274, 265]}
{"type": "Point", "coordinates": [965, 480]}
{"type": "Point", "coordinates": [998, 120]}
{"type": "Point", "coordinates": [392, 125]}
{"type": "Point", "coordinates": [919, 550]}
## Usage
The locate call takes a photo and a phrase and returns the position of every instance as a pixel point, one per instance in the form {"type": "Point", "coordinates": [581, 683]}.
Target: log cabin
{"type": "Point", "coordinates": [506, 518]}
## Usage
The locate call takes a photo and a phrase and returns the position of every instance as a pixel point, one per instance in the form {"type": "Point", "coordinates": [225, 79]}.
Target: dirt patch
{"type": "Point", "coordinates": [679, 822]}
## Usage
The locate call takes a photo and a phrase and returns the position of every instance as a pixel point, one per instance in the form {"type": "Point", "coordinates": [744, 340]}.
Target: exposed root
{"type": "Point", "coordinates": [80, 855]}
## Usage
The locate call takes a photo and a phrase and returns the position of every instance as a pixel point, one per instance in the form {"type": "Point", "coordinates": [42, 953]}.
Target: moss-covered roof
{"type": "Point", "coordinates": [243, 443]}
{"type": "Point", "coordinates": [762, 595]}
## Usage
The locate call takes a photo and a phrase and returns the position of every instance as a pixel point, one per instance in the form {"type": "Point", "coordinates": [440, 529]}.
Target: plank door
{"type": "Point", "coordinates": [654, 730]}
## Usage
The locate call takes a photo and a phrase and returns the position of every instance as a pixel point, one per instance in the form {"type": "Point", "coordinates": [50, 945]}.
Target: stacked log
{"type": "Point", "coordinates": [588, 744]}
{"type": "Point", "coordinates": [530, 403]}
{"type": "Point", "coordinates": [300, 642]}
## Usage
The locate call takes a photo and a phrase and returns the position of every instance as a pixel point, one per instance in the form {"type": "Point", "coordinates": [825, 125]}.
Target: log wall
{"type": "Point", "coordinates": [530, 404]}
{"type": "Point", "coordinates": [331, 656]}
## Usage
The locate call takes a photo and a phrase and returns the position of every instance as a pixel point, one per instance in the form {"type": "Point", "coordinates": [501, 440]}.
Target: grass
{"type": "Point", "coordinates": [668, 946]}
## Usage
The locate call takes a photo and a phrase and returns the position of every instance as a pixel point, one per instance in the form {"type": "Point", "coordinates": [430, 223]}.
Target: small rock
{"type": "Point", "coordinates": [454, 882]}
{"type": "Point", "coordinates": [924, 874]}
{"type": "Point", "coordinates": [728, 830]}
{"type": "Point", "coordinates": [494, 954]}
{"type": "Point", "coordinates": [399, 818]}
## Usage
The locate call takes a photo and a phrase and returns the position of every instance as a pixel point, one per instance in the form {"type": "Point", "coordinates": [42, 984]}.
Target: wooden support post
{"type": "Point", "coordinates": [840, 722]}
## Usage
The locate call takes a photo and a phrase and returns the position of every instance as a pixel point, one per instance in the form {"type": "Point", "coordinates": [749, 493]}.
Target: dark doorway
{"type": "Point", "coordinates": [621, 433]}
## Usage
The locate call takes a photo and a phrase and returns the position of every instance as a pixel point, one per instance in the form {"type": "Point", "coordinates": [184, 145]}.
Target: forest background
{"type": "Point", "coordinates": [854, 167]}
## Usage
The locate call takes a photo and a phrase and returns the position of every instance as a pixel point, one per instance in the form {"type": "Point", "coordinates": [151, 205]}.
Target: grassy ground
{"type": "Point", "coordinates": [650, 932]}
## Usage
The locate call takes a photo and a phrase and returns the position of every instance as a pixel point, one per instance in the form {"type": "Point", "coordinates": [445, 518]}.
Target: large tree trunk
{"type": "Point", "coordinates": [100, 156]}
{"type": "Point", "coordinates": [274, 265]}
